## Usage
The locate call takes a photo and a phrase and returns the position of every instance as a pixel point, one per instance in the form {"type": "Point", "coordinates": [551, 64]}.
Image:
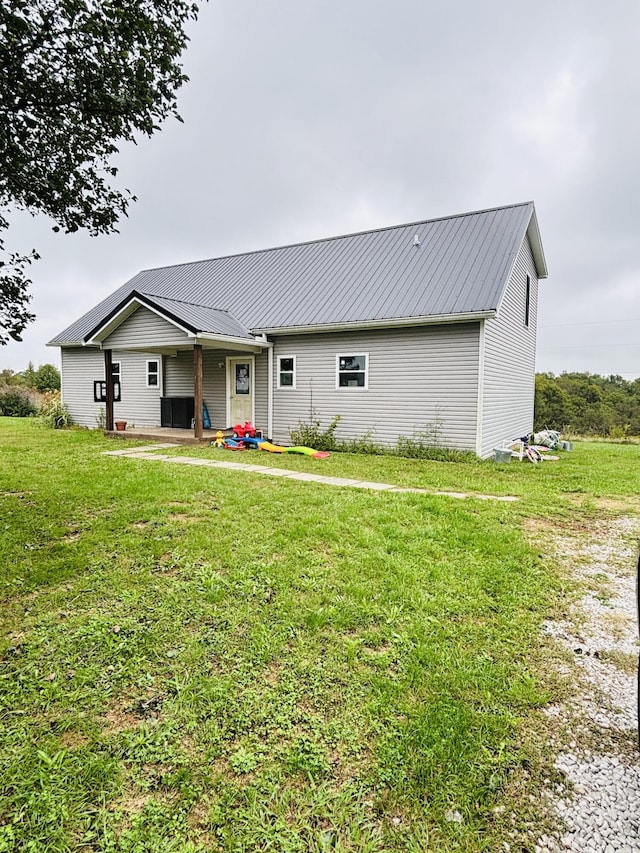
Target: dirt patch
{"type": "Point", "coordinates": [73, 740]}
{"type": "Point", "coordinates": [182, 518]}
{"type": "Point", "coordinates": [117, 720]}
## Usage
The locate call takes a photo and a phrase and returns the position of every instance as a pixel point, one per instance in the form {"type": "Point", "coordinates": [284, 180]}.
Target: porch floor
{"type": "Point", "coordinates": [174, 434]}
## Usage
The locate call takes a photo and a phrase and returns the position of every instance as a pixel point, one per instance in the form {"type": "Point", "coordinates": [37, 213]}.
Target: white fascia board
{"type": "Point", "coordinates": [404, 322]}
{"type": "Point", "coordinates": [254, 344]}
{"type": "Point", "coordinates": [533, 233]}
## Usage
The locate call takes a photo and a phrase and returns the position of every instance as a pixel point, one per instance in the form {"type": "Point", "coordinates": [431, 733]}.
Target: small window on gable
{"type": "Point", "coordinates": [352, 371]}
{"type": "Point", "coordinates": [153, 373]}
{"type": "Point", "coordinates": [286, 371]}
{"type": "Point", "coordinates": [527, 301]}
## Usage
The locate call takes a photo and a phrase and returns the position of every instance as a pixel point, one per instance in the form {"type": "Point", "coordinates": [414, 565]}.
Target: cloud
{"type": "Point", "coordinates": [305, 120]}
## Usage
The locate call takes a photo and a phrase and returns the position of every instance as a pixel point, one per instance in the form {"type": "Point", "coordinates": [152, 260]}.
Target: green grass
{"type": "Point", "coordinates": [201, 660]}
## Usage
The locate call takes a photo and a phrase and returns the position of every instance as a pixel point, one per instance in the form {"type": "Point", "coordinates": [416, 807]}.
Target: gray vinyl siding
{"type": "Point", "coordinates": [509, 359]}
{"type": "Point", "coordinates": [417, 377]}
{"type": "Point", "coordinates": [144, 327]}
{"type": "Point", "coordinates": [261, 389]}
{"type": "Point", "coordinates": [82, 366]}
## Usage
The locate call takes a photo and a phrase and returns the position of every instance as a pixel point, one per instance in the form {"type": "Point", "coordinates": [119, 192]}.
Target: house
{"type": "Point", "coordinates": [426, 326]}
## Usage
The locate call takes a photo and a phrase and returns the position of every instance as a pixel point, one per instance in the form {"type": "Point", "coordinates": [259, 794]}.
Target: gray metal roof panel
{"type": "Point", "coordinates": [200, 318]}
{"type": "Point", "coordinates": [460, 267]}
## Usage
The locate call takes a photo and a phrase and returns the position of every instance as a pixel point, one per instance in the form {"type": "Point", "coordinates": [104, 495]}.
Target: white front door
{"type": "Point", "coordinates": [240, 390]}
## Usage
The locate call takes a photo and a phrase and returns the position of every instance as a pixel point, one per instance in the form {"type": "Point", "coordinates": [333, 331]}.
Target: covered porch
{"type": "Point", "coordinates": [195, 357]}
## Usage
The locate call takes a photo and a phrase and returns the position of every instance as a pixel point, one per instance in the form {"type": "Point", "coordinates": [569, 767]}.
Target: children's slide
{"type": "Point", "coordinates": [308, 451]}
{"type": "Point", "coordinates": [272, 448]}
{"type": "Point", "coordinates": [262, 444]}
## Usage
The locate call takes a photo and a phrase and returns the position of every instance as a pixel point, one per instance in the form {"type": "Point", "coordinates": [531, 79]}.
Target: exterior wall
{"type": "Point", "coordinates": [509, 360]}
{"type": "Point", "coordinates": [81, 366]}
{"type": "Point", "coordinates": [417, 377]}
{"type": "Point", "coordinates": [145, 326]}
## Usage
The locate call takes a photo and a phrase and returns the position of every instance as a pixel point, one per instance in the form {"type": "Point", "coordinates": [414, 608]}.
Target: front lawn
{"type": "Point", "coordinates": [200, 660]}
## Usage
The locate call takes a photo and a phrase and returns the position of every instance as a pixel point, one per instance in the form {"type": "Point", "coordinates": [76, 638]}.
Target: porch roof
{"type": "Point", "coordinates": [210, 327]}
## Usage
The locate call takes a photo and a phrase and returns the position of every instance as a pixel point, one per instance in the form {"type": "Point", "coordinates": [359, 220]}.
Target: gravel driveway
{"type": "Point", "coordinates": [595, 738]}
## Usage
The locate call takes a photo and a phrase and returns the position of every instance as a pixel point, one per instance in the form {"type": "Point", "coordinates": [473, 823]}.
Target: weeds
{"type": "Point", "coordinates": [311, 434]}
{"type": "Point", "coordinates": [53, 413]}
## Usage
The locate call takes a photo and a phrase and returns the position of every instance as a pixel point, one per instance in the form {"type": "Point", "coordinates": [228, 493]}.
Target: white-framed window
{"type": "Point", "coordinates": [116, 369]}
{"type": "Point", "coordinates": [286, 371]}
{"type": "Point", "coordinates": [352, 371]}
{"type": "Point", "coordinates": [153, 373]}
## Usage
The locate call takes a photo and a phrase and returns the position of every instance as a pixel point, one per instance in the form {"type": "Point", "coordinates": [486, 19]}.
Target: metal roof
{"type": "Point", "coordinates": [199, 318]}
{"type": "Point", "coordinates": [457, 265]}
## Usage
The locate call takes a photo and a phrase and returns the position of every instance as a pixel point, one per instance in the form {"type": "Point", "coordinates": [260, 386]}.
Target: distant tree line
{"type": "Point", "coordinates": [588, 404]}
{"type": "Point", "coordinates": [25, 393]}
{"type": "Point", "coordinates": [45, 378]}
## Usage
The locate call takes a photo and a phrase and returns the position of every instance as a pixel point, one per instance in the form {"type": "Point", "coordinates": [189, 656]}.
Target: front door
{"type": "Point", "coordinates": [240, 388]}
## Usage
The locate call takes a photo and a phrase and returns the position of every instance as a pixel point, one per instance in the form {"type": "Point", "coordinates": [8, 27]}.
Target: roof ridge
{"type": "Point", "coordinates": [340, 237]}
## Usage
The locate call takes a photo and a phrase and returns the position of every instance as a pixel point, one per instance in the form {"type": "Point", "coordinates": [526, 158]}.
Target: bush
{"type": "Point", "coordinates": [53, 413]}
{"type": "Point", "coordinates": [426, 444]}
{"type": "Point", "coordinates": [363, 444]}
{"type": "Point", "coordinates": [414, 448]}
{"type": "Point", "coordinates": [17, 403]}
{"type": "Point", "coordinates": [312, 435]}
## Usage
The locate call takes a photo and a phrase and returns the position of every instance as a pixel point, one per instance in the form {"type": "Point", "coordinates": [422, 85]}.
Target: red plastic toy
{"type": "Point", "coordinates": [239, 431]}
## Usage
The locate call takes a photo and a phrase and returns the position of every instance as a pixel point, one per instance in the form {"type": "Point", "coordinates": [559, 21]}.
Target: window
{"type": "Point", "coordinates": [153, 374]}
{"type": "Point", "coordinates": [286, 371]}
{"type": "Point", "coordinates": [527, 301]}
{"type": "Point", "coordinates": [352, 371]}
{"type": "Point", "coordinates": [116, 372]}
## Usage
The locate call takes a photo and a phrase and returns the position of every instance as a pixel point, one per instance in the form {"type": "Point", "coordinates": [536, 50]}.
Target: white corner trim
{"type": "Point", "coordinates": [480, 405]}
{"type": "Point", "coordinates": [270, 359]}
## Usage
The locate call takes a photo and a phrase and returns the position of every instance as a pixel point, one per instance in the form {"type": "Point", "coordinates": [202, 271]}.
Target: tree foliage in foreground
{"type": "Point", "coordinates": [77, 79]}
{"type": "Point", "coordinates": [588, 404]}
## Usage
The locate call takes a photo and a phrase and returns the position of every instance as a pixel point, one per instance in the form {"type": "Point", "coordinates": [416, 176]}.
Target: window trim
{"type": "Point", "coordinates": [527, 302]}
{"type": "Point", "coordinates": [351, 354]}
{"type": "Point", "coordinates": [158, 373]}
{"type": "Point", "coordinates": [117, 373]}
{"type": "Point", "coordinates": [279, 371]}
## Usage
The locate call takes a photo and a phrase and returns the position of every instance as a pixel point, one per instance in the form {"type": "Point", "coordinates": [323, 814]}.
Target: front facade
{"type": "Point", "coordinates": [463, 374]}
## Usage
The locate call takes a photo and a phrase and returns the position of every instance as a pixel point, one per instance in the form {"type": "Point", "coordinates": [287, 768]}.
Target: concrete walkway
{"type": "Point", "coordinates": [149, 452]}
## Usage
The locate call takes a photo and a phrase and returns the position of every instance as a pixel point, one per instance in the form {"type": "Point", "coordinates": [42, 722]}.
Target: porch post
{"type": "Point", "coordinates": [197, 390]}
{"type": "Point", "coordinates": [108, 375]}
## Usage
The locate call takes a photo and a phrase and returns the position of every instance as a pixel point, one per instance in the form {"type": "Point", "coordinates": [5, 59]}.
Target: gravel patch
{"type": "Point", "coordinates": [595, 732]}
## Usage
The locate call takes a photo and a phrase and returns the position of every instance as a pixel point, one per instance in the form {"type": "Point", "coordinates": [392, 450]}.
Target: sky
{"type": "Point", "coordinates": [307, 119]}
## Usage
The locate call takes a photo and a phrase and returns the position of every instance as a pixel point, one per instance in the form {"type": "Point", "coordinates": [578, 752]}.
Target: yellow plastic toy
{"type": "Point", "coordinates": [219, 439]}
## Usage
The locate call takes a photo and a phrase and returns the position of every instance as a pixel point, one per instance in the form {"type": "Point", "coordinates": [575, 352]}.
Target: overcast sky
{"type": "Point", "coordinates": [313, 118]}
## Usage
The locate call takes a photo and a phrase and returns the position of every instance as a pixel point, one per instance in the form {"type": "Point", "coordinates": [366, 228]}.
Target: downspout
{"type": "Point", "coordinates": [480, 402]}
{"type": "Point", "coordinates": [270, 393]}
